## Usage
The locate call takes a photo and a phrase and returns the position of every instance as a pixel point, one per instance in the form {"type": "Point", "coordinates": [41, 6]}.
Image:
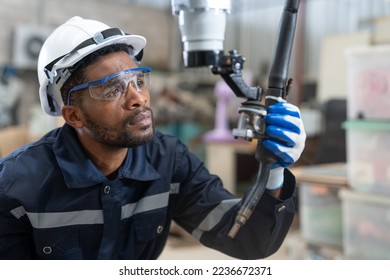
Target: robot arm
{"type": "Point", "coordinates": [202, 27]}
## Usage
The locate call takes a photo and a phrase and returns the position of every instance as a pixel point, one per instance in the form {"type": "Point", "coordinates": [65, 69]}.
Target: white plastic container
{"type": "Point", "coordinates": [368, 155]}
{"type": "Point", "coordinates": [368, 82]}
{"type": "Point", "coordinates": [320, 214]}
{"type": "Point", "coordinates": [366, 225]}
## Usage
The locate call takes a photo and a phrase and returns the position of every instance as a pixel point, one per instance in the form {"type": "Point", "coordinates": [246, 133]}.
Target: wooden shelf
{"type": "Point", "coordinates": [330, 174]}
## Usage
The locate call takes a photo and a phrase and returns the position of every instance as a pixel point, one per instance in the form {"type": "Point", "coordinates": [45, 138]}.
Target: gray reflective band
{"type": "Point", "coordinates": [215, 216]}
{"type": "Point", "coordinates": [145, 204]}
{"type": "Point", "coordinates": [175, 188]}
{"type": "Point", "coordinates": [61, 219]}
{"type": "Point", "coordinates": [18, 212]}
{"type": "Point", "coordinates": [88, 217]}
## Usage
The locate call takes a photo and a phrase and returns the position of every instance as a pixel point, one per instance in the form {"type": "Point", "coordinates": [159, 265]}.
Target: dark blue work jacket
{"type": "Point", "coordinates": [56, 204]}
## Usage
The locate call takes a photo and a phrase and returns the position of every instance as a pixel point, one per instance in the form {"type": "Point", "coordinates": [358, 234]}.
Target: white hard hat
{"type": "Point", "coordinates": [67, 45]}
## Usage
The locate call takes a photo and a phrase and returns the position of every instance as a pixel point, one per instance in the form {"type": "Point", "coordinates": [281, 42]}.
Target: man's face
{"type": "Point", "coordinates": [125, 122]}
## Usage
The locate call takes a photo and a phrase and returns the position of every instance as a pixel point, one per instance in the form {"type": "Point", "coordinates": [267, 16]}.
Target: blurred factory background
{"type": "Point", "coordinates": [340, 67]}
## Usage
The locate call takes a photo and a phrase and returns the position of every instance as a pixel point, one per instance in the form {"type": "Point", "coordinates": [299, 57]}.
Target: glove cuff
{"type": "Point", "coordinates": [275, 179]}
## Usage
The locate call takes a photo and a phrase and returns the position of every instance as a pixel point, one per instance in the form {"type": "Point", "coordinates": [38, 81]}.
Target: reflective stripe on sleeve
{"type": "Point", "coordinates": [18, 212]}
{"type": "Point", "coordinates": [214, 217]}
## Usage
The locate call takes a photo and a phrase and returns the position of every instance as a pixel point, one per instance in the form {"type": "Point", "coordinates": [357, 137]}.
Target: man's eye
{"type": "Point", "coordinates": [140, 83]}
{"type": "Point", "coordinates": [113, 91]}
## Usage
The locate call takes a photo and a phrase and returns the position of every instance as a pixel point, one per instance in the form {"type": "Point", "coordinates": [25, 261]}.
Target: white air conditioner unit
{"type": "Point", "coordinates": [27, 42]}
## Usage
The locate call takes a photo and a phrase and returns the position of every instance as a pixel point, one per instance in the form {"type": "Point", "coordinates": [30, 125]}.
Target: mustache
{"type": "Point", "coordinates": [139, 114]}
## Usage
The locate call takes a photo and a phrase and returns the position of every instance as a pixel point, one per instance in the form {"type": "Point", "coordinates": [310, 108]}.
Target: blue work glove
{"type": "Point", "coordinates": [286, 141]}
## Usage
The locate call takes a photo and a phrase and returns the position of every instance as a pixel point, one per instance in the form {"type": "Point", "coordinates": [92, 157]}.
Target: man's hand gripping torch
{"type": "Point", "coordinates": [202, 26]}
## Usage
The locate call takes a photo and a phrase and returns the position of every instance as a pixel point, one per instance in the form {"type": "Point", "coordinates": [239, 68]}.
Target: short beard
{"type": "Point", "coordinates": [124, 138]}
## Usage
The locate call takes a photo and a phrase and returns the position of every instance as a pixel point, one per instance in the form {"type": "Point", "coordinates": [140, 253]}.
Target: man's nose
{"type": "Point", "coordinates": [135, 98]}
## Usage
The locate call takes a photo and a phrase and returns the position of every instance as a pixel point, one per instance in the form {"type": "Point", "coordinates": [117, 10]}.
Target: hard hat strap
{"type": "Point", "coordinates": [99, 37]}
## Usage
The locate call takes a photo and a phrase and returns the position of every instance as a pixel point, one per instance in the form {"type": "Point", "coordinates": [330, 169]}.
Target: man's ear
{"type": "Point", "coordinates": [72, 116]}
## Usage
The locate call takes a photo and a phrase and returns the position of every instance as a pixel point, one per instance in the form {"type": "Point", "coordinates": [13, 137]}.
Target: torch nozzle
{"type": "Point", "coordinates": [241, 218]}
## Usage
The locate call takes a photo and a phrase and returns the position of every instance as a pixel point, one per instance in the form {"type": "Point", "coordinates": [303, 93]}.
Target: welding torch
{"type": "Point", "coordinates": [278, 86]}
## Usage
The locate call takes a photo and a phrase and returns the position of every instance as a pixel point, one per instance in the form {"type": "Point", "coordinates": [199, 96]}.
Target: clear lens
{"type": "Point", "coordinates": [113, 88]}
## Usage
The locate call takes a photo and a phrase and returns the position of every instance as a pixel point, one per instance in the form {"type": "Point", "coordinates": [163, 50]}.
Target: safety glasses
{"type": "Point", "coordinates": [115, 85]}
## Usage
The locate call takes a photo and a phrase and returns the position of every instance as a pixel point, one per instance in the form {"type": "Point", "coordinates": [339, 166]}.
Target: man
{"type": "Point", "coordinates": [106, 185]}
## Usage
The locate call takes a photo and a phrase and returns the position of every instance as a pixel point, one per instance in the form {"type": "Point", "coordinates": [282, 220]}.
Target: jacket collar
{"type": "Point", "coordinates": [79, 171]}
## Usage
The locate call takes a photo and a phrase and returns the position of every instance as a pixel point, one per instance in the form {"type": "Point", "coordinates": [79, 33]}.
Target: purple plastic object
{"type": "Point", "coordinates": [221, 132]}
